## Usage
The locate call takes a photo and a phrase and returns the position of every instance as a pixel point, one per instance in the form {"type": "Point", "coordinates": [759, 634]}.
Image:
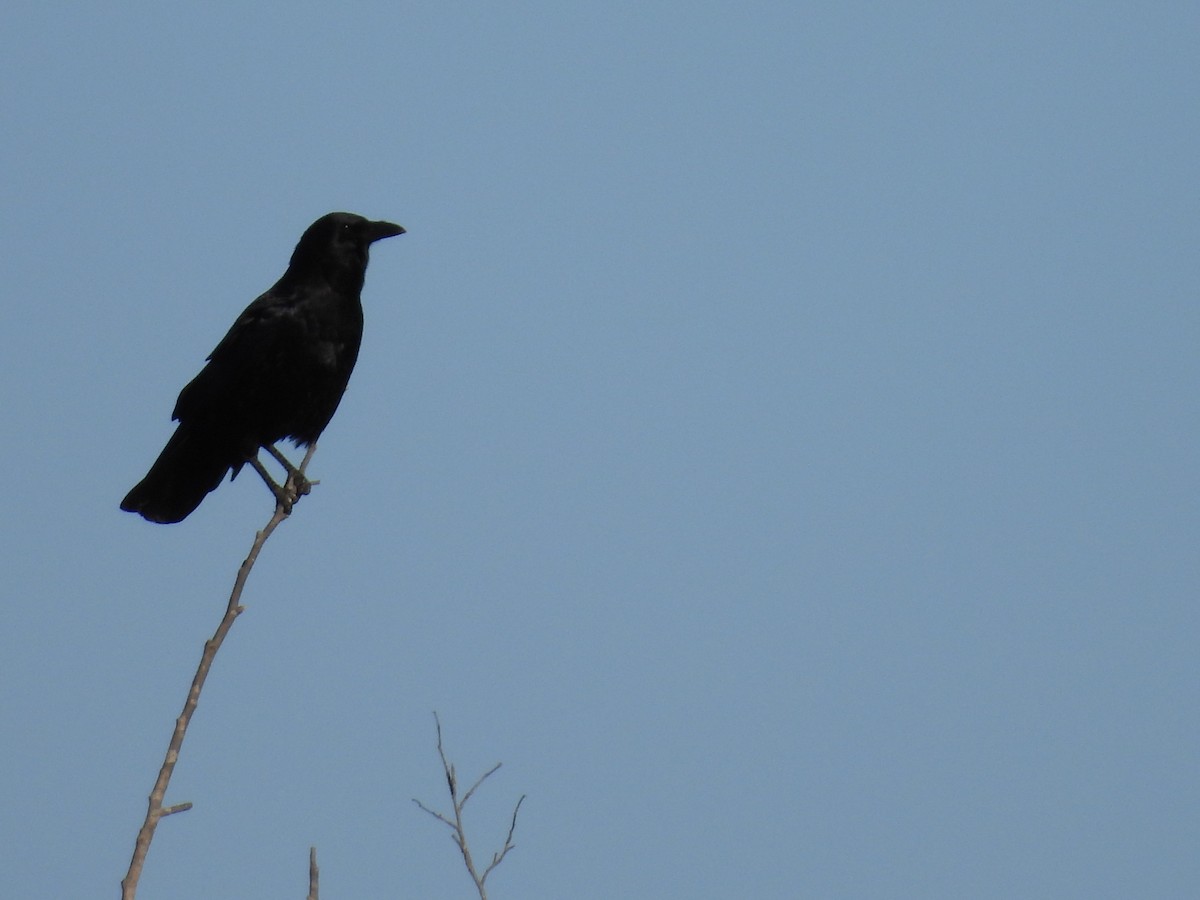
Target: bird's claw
{"type": "Point", "coordinates": [297, 486]}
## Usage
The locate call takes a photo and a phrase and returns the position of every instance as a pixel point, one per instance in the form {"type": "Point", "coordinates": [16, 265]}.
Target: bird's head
{"type": "Point", "coordinates": [340, 241]}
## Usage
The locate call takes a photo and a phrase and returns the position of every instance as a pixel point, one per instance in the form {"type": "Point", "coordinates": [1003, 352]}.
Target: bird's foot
{"type": "Point", "coordinates": [295, 486]}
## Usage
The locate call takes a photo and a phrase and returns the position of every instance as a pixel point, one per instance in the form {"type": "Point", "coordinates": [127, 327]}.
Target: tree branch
{"type": "Point", "coordinates": [293, 489]}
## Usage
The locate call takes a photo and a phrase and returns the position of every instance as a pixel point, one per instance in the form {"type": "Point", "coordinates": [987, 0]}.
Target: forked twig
{"type": "Point", "coordinates": [458, 833]}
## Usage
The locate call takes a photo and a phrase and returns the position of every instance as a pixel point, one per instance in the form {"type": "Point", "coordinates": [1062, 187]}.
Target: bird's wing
{"type": "Point", "coordinates": [251, 347]}
{"type": "Point", "coordinates": [260, 325]}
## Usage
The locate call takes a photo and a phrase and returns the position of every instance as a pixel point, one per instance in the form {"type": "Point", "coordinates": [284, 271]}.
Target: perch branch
{"type": "Point", "coordinates": [292, 490]}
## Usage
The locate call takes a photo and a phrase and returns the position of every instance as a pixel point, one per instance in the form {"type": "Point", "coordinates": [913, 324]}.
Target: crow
{"type": "Point", "coordinates": [279, 373]}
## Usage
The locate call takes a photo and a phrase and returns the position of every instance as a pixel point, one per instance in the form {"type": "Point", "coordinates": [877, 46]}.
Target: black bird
{"type": "Point", "coordinates": [279, 373]}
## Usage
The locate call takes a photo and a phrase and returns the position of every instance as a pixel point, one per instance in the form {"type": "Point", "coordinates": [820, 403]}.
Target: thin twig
{"type": "Point", "coordinates": [155, 810]}
{"type": "Point", "coordinates": [508, 841]}
{"type": "Point", "coordinates": [467, 795]}
{"type": "Point", "coordinates": [437, 815]}
{"type": "Point", "coordinates": [314, 875]}
{"type": "Point", "coordinates": [458, 832]}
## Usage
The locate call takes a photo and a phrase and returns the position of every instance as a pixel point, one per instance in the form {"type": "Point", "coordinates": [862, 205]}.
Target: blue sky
{"type": "Point", "coordinates": [775, 440]}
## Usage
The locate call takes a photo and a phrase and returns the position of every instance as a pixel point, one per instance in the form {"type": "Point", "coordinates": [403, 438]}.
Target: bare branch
{"type": "Point", "coordinates": [458, 832]}
{"type": "Point", "coordinates": [285, 498]}
{"type": "Point", "coordinates": [314, 875]}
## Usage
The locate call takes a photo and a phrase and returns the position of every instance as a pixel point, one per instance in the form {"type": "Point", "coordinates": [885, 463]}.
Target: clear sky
{"type": "Point", "coordinates": [775, 440]}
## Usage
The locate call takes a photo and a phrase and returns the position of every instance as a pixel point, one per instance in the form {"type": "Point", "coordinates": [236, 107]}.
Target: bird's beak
{"type": "Point", "coordinates": [377, 231]}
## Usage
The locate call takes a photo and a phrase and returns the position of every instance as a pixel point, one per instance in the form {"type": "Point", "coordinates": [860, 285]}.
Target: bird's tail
{"type": "Point", "coordinates": [188, 468]}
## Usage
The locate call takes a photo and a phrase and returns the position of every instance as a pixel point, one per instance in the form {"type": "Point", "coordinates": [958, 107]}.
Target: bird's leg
{"type": "Point", "coordinates": [295, 476]}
